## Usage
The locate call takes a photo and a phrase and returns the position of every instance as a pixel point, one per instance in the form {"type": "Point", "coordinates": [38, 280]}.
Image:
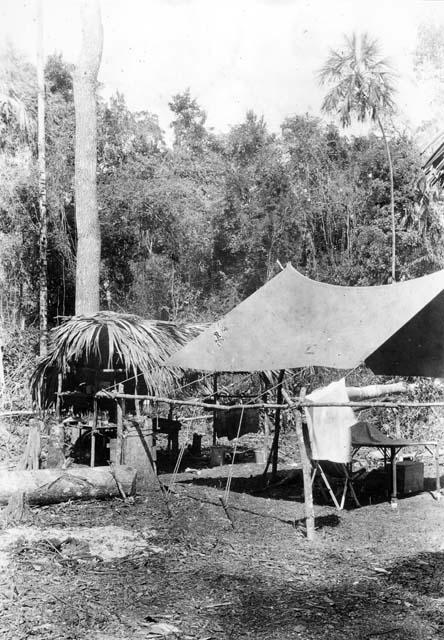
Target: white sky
{"type": "Point", "coordinates": [233, 54]}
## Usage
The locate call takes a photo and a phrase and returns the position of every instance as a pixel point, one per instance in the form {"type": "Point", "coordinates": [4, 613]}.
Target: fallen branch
{"type": "Point", "coordinates": [217, 604]}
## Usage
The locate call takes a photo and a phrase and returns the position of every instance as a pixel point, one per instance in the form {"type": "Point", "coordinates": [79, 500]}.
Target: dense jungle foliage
{"type": "Point", "coordinates": [190, 229]}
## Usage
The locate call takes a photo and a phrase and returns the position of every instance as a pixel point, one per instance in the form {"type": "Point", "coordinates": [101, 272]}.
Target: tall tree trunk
{"type": "Point", "coordinates": [2, 374]}
{"type": "Point", "coordinates": [392, 199]}
{"type": "Point", "coordinates": [43, 238]}
{"type": "Point", "coordinates": [87, 218]}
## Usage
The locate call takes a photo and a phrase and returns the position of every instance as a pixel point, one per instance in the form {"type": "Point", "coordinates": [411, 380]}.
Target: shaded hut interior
{"type": "Point", "coordinates": [107, 352]}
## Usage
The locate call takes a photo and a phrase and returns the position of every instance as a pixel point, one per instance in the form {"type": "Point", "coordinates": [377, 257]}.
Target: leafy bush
{"type": "Point", "coordinates": [20, 356]}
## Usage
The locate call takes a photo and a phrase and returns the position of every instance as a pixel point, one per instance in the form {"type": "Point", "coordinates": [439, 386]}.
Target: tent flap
{"type": "Point", "coordinates": [293, 322]}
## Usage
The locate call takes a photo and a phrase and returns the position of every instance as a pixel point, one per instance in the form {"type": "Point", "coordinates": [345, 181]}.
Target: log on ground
{"type": "Point", "coordinates": [48, 486]}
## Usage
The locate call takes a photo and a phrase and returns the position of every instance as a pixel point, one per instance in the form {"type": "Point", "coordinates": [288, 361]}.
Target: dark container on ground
{"type": "Point", "coordinates": [410, 476]}
{"type": "Point", "coordinates": [217, 455]}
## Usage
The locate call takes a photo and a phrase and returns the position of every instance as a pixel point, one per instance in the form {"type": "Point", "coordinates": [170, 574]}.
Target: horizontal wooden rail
{"type": "Point", "coordinates": [296, 402]}
{"type": "Point", "coordinates": [389, 405]}
{"type": "Point", "coordinates": [191, 403]}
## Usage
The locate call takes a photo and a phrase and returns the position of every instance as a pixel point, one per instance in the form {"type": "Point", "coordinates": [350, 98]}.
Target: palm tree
{"type": "Point", "coordinates": [362, 87]}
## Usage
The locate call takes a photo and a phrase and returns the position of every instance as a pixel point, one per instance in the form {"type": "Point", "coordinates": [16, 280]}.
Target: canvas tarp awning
{"type": "Point", "coordinates": [293, 322]}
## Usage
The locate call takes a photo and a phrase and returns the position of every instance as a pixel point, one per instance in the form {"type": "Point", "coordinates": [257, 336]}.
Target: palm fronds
{"type": "Point", "coordinates": [362, 81]}
{"type": "Point", "coordinates": [108, 340]}
{"type": "Point", "coordinates": [12, 109]}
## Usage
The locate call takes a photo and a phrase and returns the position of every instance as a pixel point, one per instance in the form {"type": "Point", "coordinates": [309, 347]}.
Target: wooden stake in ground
{"type": "Point", "coordinates": [306, 465]}
{"type": "Point", "coordinates": [136, 402]}
{"type": "Point", "coordinates": [15, 510]}
{"type": "Point", "coordinates": [152, 464]}
{"type": "Point", "coordinates": [58, 408]}
{"type": "Point", "coordinates": [227, 513]}
{"type": "Point", "coordinates": [118, 483]}
{"type": "Point", "coordinates": [31, 455]}
{"type": "Point", "coordinates": [119, 440]}
{"type": "Point", "coordinates": [277, 425]}
{"type": "Point", "coordinates": [214, 412]}
{"type": "Point", "coordinates": [93, 434]}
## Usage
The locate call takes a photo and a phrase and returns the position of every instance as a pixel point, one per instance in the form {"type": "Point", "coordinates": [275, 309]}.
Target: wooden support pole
{"type": "Point", "coordinates": [438, 477]}
{"type": "Point", "coordinates": [269, 458]}
{"type": "Point", "coordinates": [214, 412]}
{"type": "Point", "coordinates": [59, 397]}
{"type": "Point", "coordinates": [119, 434]}
{"type": "Point", "coordinates": [266, 433]}
{"type": "Point", "coordinates": [394, 496]}
{"type": "Point", "coordinates": [306, 467]}
{"type": "Point", "coordinates": [93, 449]}
{"type": "Point", "coordinates": [173, 436]}
{"type": "Point", "coordinates": [136, 401]}
{"type": "Point", "coordinates": [277, 425]}
{"type": "Point", "coordinates": [397, 424]}
{"type": "Point", "coordinates": [93, 434]}
{"type": "Point", "coordinates": [123, 403]}
{"type": "Point", "coordinates": [265, 381]}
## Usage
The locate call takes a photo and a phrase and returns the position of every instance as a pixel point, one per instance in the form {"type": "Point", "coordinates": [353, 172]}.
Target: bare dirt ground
{"type": "Point", "coordinates": [120, 570]}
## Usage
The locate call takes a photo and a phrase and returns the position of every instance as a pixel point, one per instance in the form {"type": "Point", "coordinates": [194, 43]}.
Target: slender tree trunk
{"type": "Point", "coordinates": [43, 240]}
{"type": "Point", "coordinates": [2, 374]}
{"type": "Point", "coordinates": [87, 218]}
{"type": "Point", "coordinates": [392, 200]}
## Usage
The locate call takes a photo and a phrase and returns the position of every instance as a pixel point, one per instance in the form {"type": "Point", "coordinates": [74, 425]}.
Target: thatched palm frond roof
{"type": "Point", "coordinates": [108, 340]}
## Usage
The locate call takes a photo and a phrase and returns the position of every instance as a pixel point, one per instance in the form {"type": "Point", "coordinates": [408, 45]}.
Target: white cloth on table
{"type": "Point", "coordinates": [329, 428]}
